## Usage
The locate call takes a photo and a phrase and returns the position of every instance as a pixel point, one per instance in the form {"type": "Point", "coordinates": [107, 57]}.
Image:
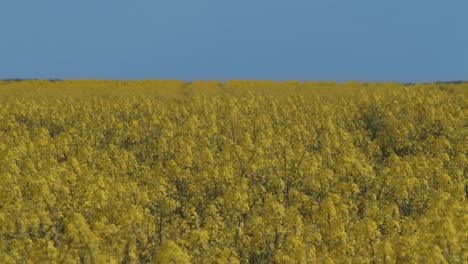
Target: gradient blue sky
{"type": "Point", "coordinates": [364, 40]}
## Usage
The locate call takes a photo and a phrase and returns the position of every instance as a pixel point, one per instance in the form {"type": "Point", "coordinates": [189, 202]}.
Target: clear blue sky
{"type": "Point", "coordinates": [364, 40]}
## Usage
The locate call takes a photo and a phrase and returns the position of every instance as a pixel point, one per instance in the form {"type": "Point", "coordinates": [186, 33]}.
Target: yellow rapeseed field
{"type": "Point", "coordinates": [235, 172]}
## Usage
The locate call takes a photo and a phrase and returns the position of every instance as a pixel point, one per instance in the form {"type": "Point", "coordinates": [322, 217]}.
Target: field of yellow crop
{"type": "Point", "coordinates": [235, 172]}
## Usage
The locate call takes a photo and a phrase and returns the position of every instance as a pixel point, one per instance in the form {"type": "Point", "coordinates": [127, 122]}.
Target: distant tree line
{"type": "Point", "coordinates": [437, 82]}
{"type": "Point", "coordinates": [189, 82]}
{"type": "Point", "coordinates": [28, 79]}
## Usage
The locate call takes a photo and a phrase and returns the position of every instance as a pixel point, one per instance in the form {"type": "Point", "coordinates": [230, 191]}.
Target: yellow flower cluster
{"type": "Point", "coordinates": [235, 172]}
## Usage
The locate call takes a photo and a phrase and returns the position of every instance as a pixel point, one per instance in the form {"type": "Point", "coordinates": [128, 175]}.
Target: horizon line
{"type": "Point", "coordinates": [217, 80]}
